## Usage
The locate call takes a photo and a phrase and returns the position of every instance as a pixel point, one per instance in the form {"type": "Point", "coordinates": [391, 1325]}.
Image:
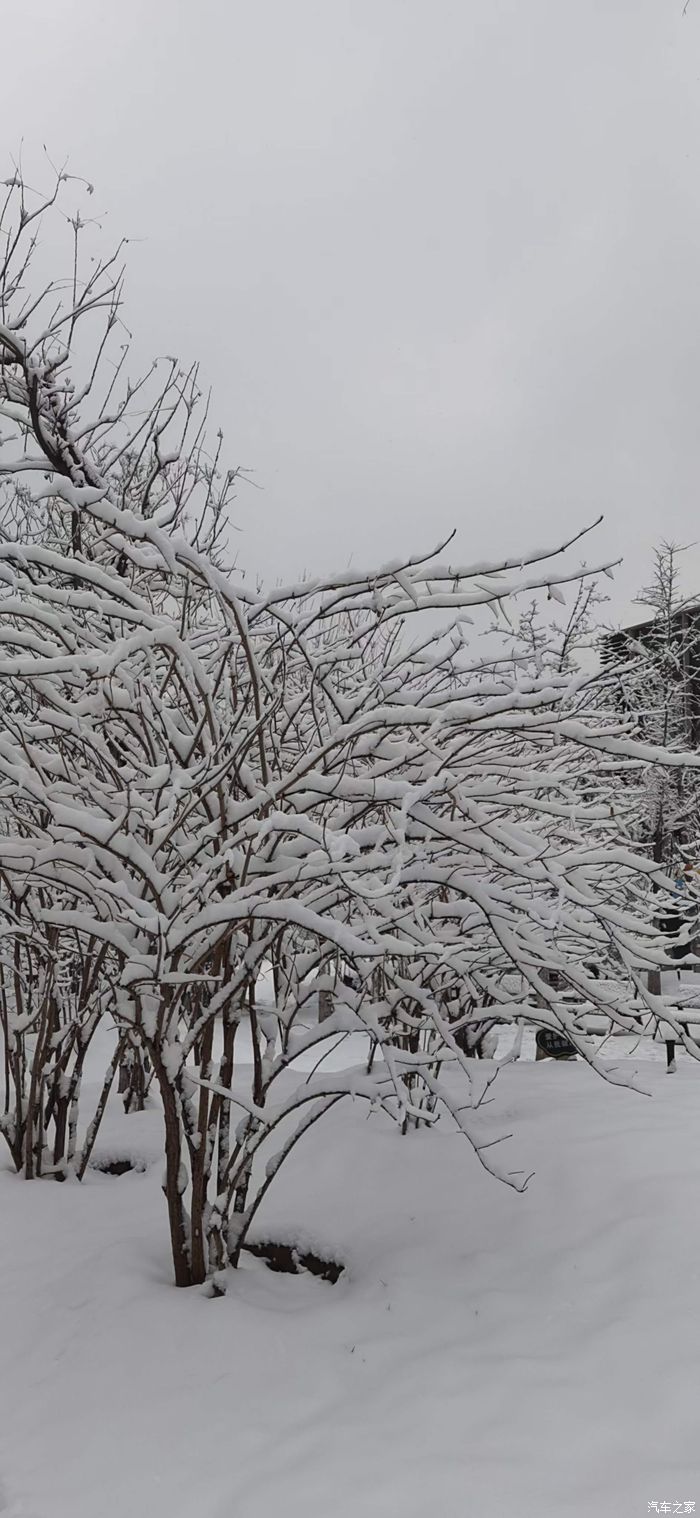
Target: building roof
{"type": "Point", "coordinates": [615, 644]}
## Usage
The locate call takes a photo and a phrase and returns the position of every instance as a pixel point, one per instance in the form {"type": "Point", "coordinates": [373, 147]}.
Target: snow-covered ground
{"type": "Point", "coordinates": [486, 1352]}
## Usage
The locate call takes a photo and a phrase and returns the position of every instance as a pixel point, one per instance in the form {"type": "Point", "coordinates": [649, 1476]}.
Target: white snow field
{"type": "Point", "coordinates": [485, 1352]}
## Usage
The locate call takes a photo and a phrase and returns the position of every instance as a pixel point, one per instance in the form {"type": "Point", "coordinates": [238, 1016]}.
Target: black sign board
{"type": "Point", "coordinates": [554, 1044]}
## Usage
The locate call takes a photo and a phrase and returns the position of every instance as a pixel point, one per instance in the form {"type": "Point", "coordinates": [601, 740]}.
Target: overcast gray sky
{"type": "Point", "coordinates": [440, 259]}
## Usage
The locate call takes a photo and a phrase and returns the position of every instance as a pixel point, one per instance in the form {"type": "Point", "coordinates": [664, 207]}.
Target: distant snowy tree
{"type": "Point", "coordinates": [657, 681]}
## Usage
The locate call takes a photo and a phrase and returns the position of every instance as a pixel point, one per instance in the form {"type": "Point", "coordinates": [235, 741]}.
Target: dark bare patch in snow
{"type": "Point", "coordinates": [117, 1166]}
{"type": "Point", "coordinates": [292, 1260]}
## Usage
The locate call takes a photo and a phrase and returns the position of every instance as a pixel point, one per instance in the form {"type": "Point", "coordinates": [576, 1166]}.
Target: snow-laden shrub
{"type": "Point", "coordinates": [202, 783]}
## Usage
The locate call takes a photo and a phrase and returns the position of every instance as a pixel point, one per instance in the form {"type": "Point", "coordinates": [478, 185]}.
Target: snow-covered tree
{"type": "Point", "coordinates": [217, 803]}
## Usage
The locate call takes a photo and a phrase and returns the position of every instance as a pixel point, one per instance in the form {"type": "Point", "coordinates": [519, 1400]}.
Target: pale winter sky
{"type": "Point", "coordinates": [440, 259]}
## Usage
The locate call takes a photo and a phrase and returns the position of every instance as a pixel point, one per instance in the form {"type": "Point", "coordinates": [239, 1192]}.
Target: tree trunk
{"type": "Point", "coordinates": [133, 1078]}
{"type": "Point", "coordinates": [173, 1178]}
{"type": "Point", "coordinates": [201, 1163]}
